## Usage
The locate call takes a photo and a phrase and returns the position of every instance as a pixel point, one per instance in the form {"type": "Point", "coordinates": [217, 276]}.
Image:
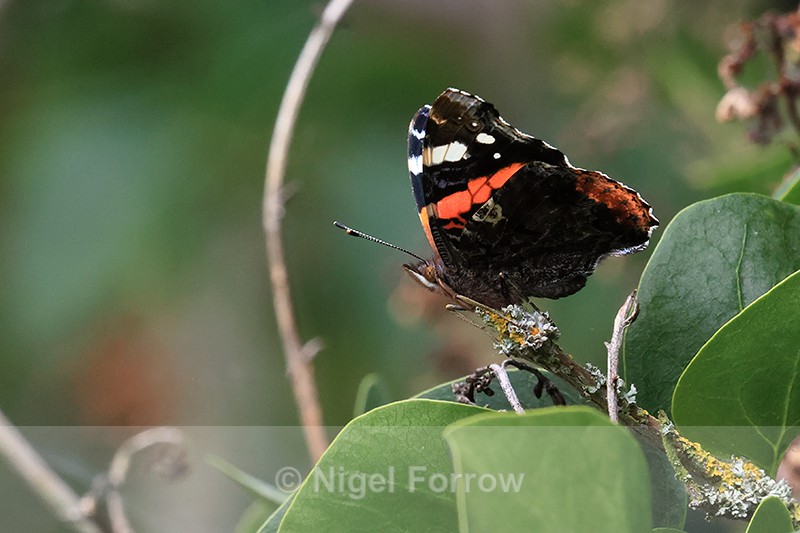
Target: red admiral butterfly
{"type": "Point", "coordinates": [506, 214]}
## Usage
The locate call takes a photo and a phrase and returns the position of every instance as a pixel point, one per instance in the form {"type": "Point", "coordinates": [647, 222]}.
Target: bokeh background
{"type": "Point", "coordinates": [133, 135]}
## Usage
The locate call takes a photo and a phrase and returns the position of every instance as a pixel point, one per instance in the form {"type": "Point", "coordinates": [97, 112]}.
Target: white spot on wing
{"type": "Point", "coordinates": [415, 165]}
{"type": "Point", "coordinates": [437, 154]}
{"type": "Point", "coordinates": [496, 155]}
{"type": "Point", "coordinates": [455, 151]}
{"type": "Point", "coordinates": [485, 138]}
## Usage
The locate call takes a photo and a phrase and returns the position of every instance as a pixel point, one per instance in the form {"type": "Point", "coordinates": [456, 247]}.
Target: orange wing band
{"type": "Point", "coordinates": [479, 190]}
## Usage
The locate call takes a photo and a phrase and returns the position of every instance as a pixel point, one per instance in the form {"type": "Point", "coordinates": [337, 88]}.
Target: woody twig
{"type": "Point", "coordinates": [59, 497]}
{"type": "Point", "coordinates": [298, 354]}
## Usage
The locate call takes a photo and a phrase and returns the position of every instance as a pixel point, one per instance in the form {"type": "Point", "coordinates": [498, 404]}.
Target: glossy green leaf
{"type": "Point", "coordinates": [714, 259]}
{"type": "Point", "coordinates": [553, 469]}
{"type": "Point", "coordinates": [374, 476]}
{"type": "Point", "coordinates": [741, 394]}
{"type": "Point", "coordinates": [274, 521]}
{"type": "Point", "coordinates": [771, 516]}
{"type": "Point", "coordinates": [789, 191]}
{"type": "Point", "coordinates": [667, 530]}
{"type": "Point", "coordinates": [523, 383]}
{"type": "Point", "coordinates": [372, 393]}
{"type": "Point", "coordinates": [668, 495]}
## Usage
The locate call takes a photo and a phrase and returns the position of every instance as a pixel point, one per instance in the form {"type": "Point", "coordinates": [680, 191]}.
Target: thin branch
{"type": "Point", "coordinates": [625, 316]}
{"type": "Point", "coordinates": [170, 462]}
{"type": "Point", "coordinates": [298, 354]}
{"type": "Point", "coordinates": [508, 388]}
{"type": "Point", "coordinates": [59, 496]}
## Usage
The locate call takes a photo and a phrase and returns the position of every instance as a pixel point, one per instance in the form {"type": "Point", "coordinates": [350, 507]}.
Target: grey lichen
{"type": "Point", "coordinates": [598, 378]}
{"type": "Point", "coordinates": [731, 489]}
{"type": "Point", "coordinates": [519, 328]}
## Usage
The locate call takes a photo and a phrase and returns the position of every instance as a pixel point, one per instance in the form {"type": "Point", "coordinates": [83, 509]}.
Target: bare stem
{"type": "Point", "coordinates": [508, 389]}
{"type": "Point", "coordinates": [171, 463]}
{"type": "Point", "coordinates": [298, 354]}
{"type": "Point", "coordinates": [624, 317]}
{"type": "Point", "coordinates": [59, 496]}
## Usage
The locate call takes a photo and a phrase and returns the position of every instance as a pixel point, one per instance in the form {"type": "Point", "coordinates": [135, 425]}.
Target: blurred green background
{"type": "Point", "coordinates": [133, 137]}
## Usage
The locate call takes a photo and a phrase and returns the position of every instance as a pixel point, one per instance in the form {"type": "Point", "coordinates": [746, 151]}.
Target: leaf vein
{"type": "Point", "coordinates": [738, 269]}
{"type": "Point", "coordinates": [760, 433]}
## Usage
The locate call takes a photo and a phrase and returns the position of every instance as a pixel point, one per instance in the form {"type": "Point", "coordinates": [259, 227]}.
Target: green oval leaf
{"type": "Point", "coordinates": [668, 495]}
{"type": "Point", "coordinates": [564, 469]}
{"type": "Point", "coordinates": [714, 259]}
{"type": "Point", "coordinates": [667, 492]}
{"type": "Point", "coordinates": [375, 475]}
{"type": "Point", "coordinates": [771, 516]}
{"type": "Point", "coordinates": [747, 377]}
{"type": "Point", "coordinates": [274, 521]}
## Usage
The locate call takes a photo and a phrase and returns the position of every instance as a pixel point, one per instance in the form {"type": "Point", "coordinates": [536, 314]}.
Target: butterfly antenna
{"type": "Point", "coordinates": [356, 233]}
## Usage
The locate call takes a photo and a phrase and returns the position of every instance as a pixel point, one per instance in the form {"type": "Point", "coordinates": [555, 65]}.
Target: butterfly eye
{"type": "Point", "coordinates": [474, 125]}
